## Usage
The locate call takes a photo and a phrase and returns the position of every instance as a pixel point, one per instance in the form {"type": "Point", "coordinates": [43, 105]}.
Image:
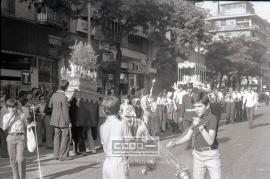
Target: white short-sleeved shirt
{"type": "Point", "coordinates": [18, 126]}
{"type": "Point", "coordinates": [250, 99]}
{"type": "Point", "coordinates": [3, 111]}
{"type": "Point", "coordinates": [238, 96]}
{"type": "Point", "coordinates": [178, 96]}
{"type": "Point", "coordinates": [110, 130]}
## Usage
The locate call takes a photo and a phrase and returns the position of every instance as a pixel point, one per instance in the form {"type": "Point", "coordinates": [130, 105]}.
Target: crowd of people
{"type": "Point", "coordinates": [61, 118]}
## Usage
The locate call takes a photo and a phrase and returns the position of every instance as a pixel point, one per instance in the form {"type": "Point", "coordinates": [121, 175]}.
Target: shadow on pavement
{"type": "Point", "coordinates": [256, 116]}
{"type": "Point", "coordinates": [69, 171]}
{"type": "Point", "coordinates": [223, 140]}
{"type": "Point", "coordinates": [260, 125]}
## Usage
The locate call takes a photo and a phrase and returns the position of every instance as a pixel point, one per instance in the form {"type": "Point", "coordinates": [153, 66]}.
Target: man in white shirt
{"type": "Point", "coordinates": [230, 105]}
{"type": "Point", "coordinates": [178, 97]}
{"type": "Point", "coordinates": [238, 105]}
{"type": "Point", "coordinates": [250, 102]}
{"type": "Point", "coordinates": [267, 96]}
{"type": "Point", "coordinates": [146, 107]}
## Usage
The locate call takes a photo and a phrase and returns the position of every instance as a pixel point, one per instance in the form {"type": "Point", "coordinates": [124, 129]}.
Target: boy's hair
{"type": "Point", "coordinates": [63, 85]}
{"type": "Point", "coordinates": [12, 102]}
{"type": "Point", "coordinates": [110, 105]}
{"type": "Point", "coordinates": [200, 97]}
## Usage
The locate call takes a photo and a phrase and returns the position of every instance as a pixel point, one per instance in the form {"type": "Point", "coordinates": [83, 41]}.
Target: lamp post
{"type": "Point", "coordinates": [268, 52]}
{"type": "Point", "coordinates": [261, 76]}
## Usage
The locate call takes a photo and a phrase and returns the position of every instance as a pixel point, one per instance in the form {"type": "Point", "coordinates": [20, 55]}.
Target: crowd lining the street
{"type": "Point", "coordinates": [142, 115]}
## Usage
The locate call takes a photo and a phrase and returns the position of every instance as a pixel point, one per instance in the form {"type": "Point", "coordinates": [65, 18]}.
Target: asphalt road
{"type": "Point", "coordinates": [245, 154]}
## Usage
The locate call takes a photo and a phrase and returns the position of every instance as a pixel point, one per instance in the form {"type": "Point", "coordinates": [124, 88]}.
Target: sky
{"type": "Point", "coordinates": [262, 8]}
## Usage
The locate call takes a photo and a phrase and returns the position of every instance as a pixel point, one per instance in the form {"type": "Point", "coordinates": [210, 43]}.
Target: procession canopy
{"type": "Point", "coordinates": [186, 64]}
{"type": "Point", "coordinates": [192, 72]}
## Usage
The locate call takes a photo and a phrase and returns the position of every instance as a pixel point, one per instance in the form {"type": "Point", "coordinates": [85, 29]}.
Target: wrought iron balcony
{"type": "Point", "coordinates": [49, 16]}
{"type": "Point", "coordinates": [8, 6]}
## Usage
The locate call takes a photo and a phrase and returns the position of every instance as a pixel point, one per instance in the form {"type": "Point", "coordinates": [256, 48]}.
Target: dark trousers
{"type": "Point", "coordinates": [238, 111]}
{"type": "Point", "coordinates": [250, 116]}
{"type": "Point", "coordinates": [40, 128]}
{"type": "Point", "coordinates": [48, 131]}
{"type": "Point", "coordinates": [176, 126]}
{"type": "Point", "coordinates": [3, 144]}
{"type": "Point", "coordinates": [230, 111]}
{"type": "Point", "coordinates": [78, 138]}
{"type": "Point", "coordinates": [267, 100]}
{"type": "Point", "coordinates": [16, 148]}
{"type": "Point", "coordinates": [61, 142]}
{"type": "Point", "coordinates": [162, 117]}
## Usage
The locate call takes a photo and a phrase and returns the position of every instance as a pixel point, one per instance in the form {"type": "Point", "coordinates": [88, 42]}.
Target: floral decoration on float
{"type": "Point", "coordinates": [82, 69]}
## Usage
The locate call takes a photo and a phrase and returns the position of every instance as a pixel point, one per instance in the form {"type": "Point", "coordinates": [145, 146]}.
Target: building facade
{"type": "Point", "coordinates": [234, 19]}
{"type": "Point", "coordinates": [31, 41]}
{"type": "Point", "coordinates": [29, 44]}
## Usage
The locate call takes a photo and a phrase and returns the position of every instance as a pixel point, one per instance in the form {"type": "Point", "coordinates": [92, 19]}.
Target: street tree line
{"type": "Point", "coordinates": [174, 27]}
{"type": "Point", "coordinates": [181, 19]}
{"type": "Point", "coordinates": [235, 58]}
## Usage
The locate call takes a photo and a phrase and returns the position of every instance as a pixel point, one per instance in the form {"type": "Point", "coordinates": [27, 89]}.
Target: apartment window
{"type": "Point", "coordinates": [8, 6]}
{"type": "Point", "coordinates": [135, 41]}
{"type": "Point", "coordinates": [113, 25]}
{"type": "Point", "coordinates": [107, 56]}
{"type": "Point", "coordinates": [223, 23]}
{"type": "Point", "coordinates": [242, 23]}
{"type": "Point", "coordinates": [47, 72]}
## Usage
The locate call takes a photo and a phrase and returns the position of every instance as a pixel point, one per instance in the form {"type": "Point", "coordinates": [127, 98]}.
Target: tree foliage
{"type": "Point", "coordinates": [182, 19]}
{"type": "Point", "coordinates": [234, 57]}
{"type": "Point", "coordinates": [127, 16]}
{"type": "Point", "coordinates": [185, 25]}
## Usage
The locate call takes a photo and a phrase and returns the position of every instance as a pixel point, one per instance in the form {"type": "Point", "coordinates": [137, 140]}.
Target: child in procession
{"type": "Point", "coordinates": [116, 165]}
{"type": "Point", "coordinates": [15, 123]}
{"type": "Point", "coordinates": [203, 133]}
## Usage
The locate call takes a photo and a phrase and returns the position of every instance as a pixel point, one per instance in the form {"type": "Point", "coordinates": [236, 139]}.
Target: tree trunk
{"type": "Point", "coordinates": [220, 80]}
{"type": "Point", "coordinates": [229, 81]}
{"type": "Point", "coordinates": [118, 67]}
{"type": "Point", "coordinates": [247, 80]}
{"type": "Point", "coordinates": [234, 83]}
{"type": "Point", "coordinates": [239, 79]}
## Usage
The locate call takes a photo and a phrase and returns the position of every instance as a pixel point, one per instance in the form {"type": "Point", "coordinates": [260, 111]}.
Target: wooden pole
{"type": "Point", "coordinates": [89, 23]}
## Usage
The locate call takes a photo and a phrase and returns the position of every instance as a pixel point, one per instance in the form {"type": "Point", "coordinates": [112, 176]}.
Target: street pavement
{"type": "Point", "coordinates": [245, 154]}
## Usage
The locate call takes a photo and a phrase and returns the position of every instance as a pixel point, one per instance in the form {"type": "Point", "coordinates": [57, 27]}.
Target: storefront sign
{"type": "Point", "coordinates": [26, 78]}
{"type": "Point", "coordinates": [82, 26]}
{"type": "Point", "coordinates": [110, 76]}
{"type": "Point", "coordinates": [136, 67]}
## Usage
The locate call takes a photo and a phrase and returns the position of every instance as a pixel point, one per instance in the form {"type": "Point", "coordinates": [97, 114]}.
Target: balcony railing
{"type": "Point", "coordinates": [8, 6]}
{"type": "Point", "coordinates": [230, 27]}
{"type": "Point", "coordinates": [49, 16]}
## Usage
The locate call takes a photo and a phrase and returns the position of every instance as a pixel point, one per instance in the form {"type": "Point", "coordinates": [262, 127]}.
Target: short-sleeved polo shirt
{"type": "Point", "coordinates": [210, 123]}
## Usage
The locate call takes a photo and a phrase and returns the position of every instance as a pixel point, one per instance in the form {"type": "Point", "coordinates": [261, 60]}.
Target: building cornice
{"type": "Point", "coordinates": [229, 17]}
{"type": "Point", "coordinates": [25, 20]}
{"type": "Point", "coordinates": [26, 54]}
{"type": "Point", "coordinates": [11, 16]}
{"type": "Point", "coordinates": [230, 30]}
